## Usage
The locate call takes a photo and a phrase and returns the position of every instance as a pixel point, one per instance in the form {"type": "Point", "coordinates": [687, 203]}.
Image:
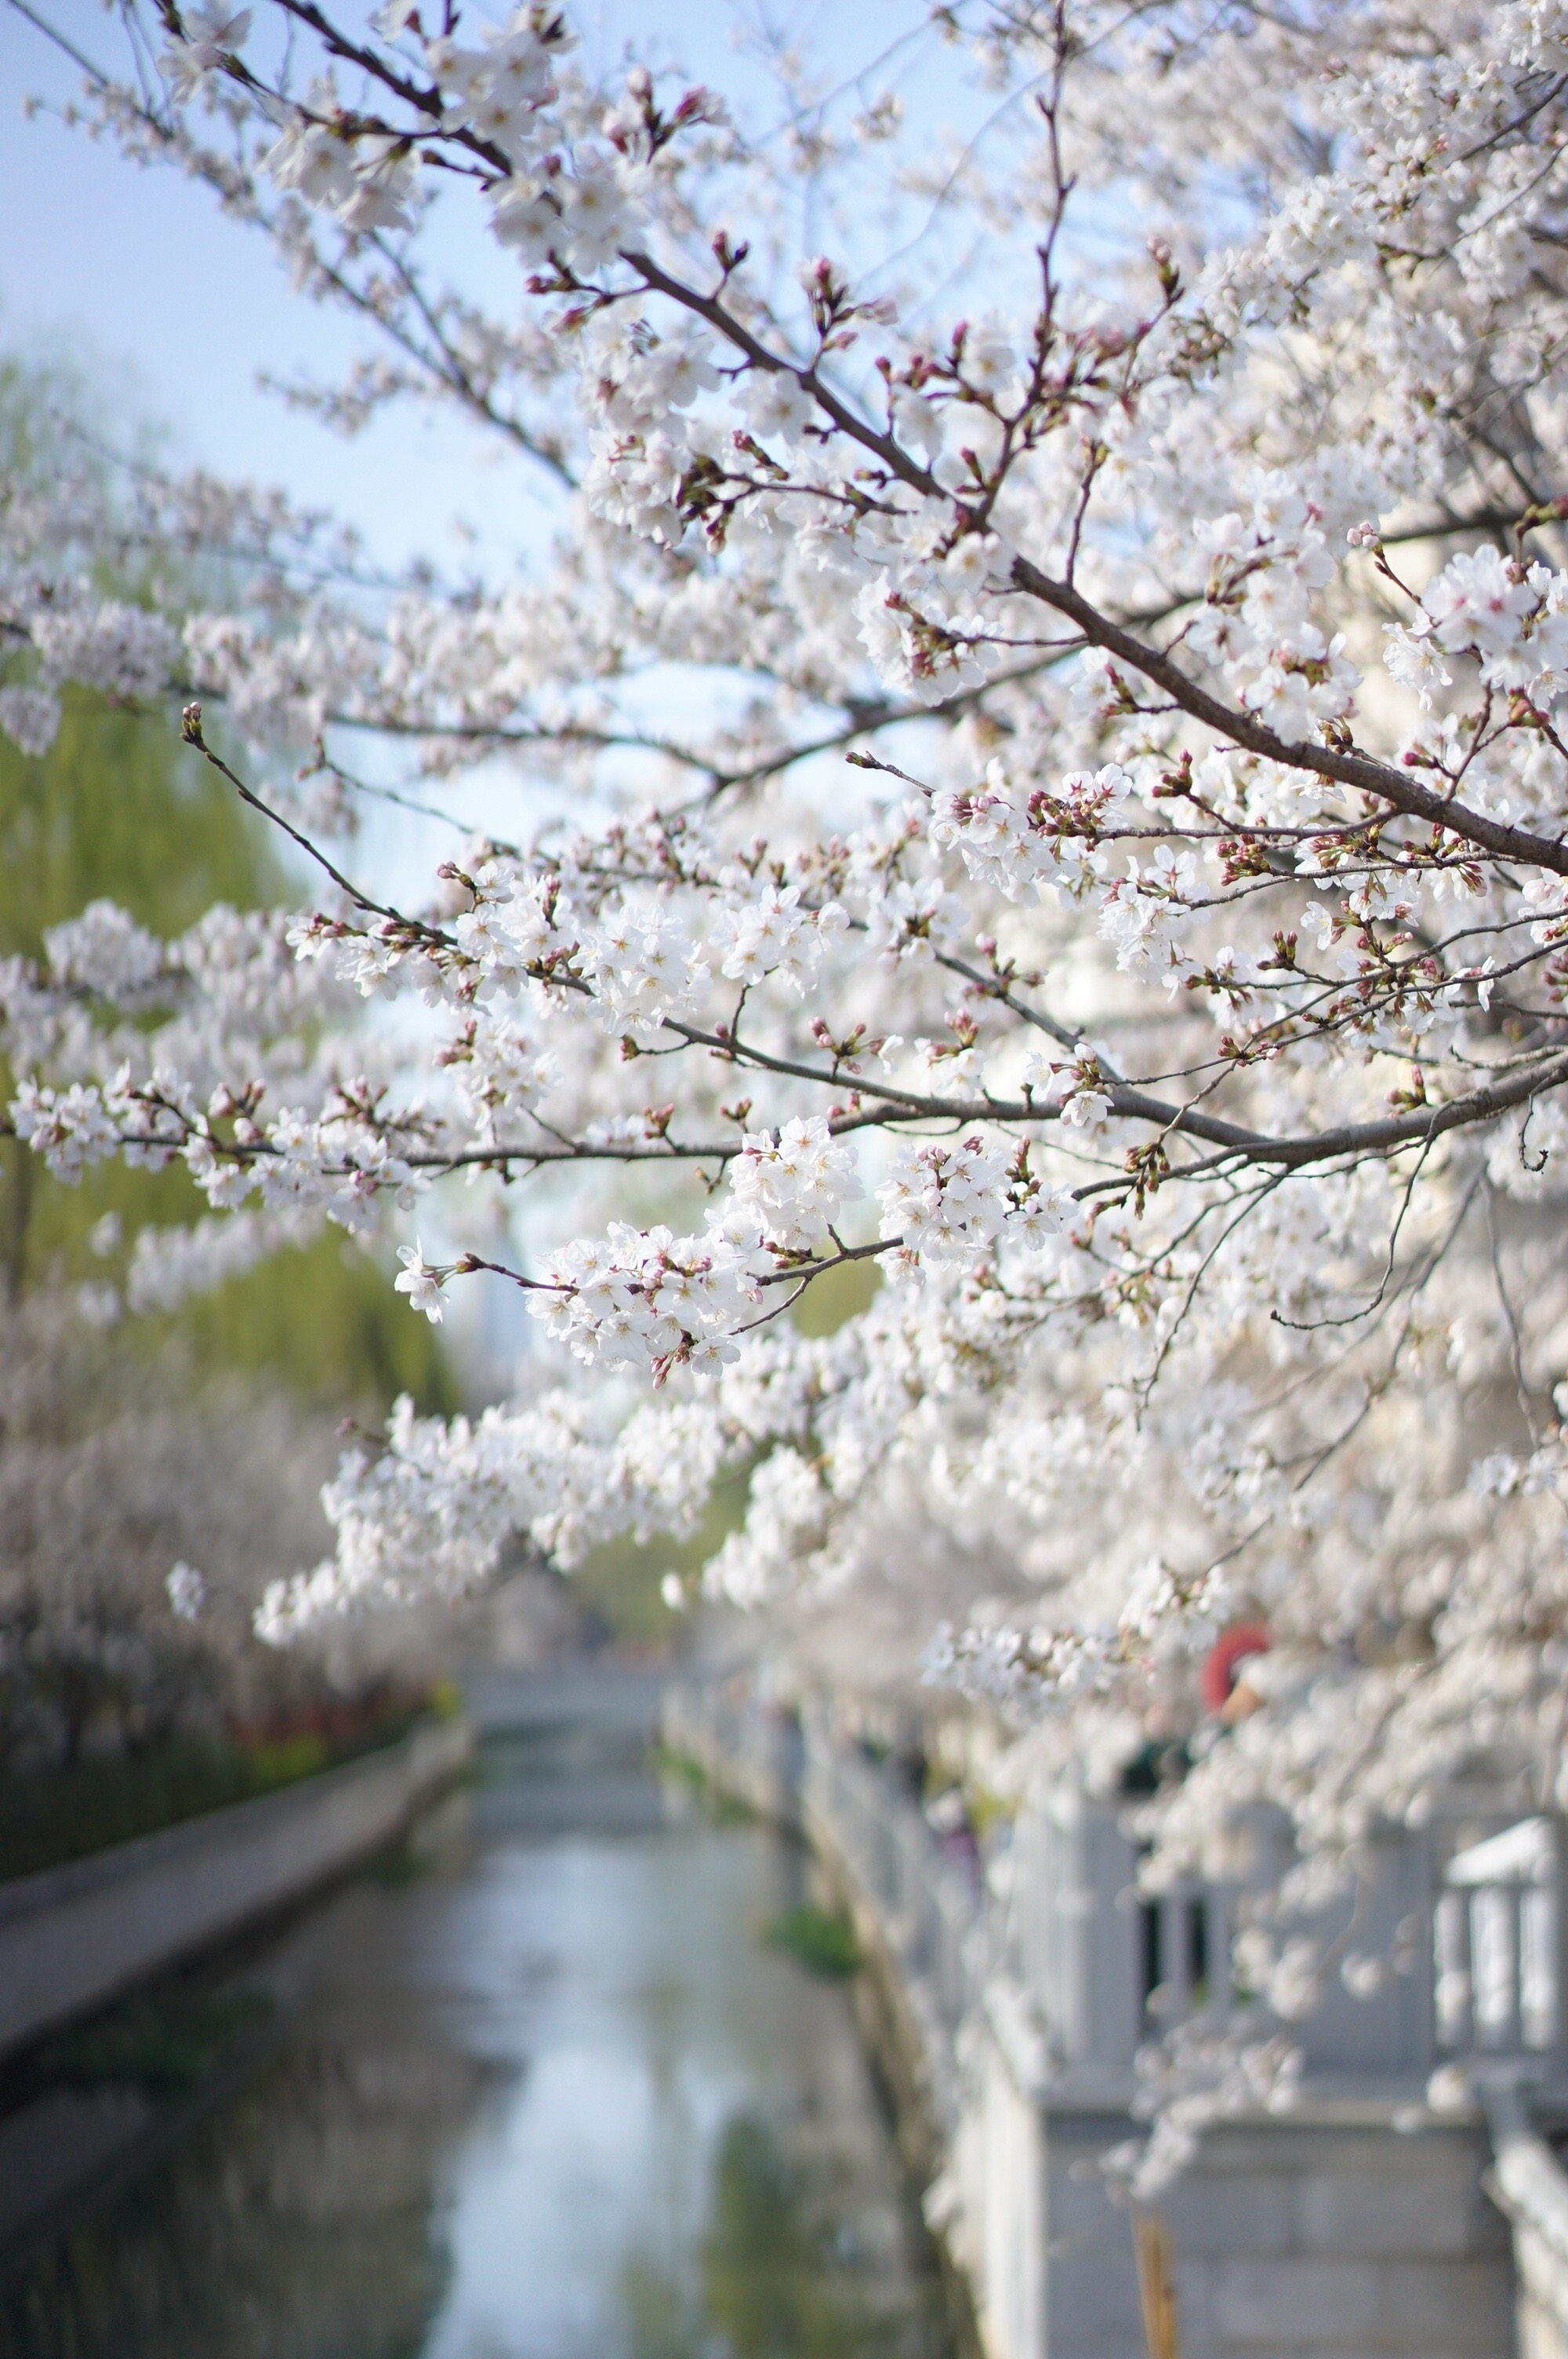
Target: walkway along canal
{"type": "Point", "coordinates": [540, 2093]}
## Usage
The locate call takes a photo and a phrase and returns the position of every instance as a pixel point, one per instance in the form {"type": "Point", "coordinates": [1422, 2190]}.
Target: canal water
{"type": "Point", "coordinates": [541, 2092]}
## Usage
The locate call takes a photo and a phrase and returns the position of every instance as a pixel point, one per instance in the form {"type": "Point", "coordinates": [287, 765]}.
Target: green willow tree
{"type": "Point", "coordinates": [118, 808]}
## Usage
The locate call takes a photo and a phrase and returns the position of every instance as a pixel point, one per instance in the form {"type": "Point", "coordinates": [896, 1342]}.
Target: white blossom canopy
{"type": "Point", "coordinates": [1102, 858]}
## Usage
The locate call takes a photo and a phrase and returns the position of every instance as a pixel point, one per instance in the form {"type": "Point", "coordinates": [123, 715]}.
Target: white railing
{"type": "Point", "coordinates": [1185, 1939]}
{"type": "Point", "coordinates": [929, 1906]}
{"type": "Point", "coordinates": [1106, 1969]}
{"type": "Point", "coordinates": [1497, 1945]}
{"type": "Point", "coordinates": [1529, 2185]}
{"type": "Point", "coordinates": [1490, 1922]}
{"type": "Point", "coordinates": [751, 1748]}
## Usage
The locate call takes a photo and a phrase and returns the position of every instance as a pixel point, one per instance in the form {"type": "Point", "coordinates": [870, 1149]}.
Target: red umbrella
{"type": "Point", "coordinates": [1221, 1663]}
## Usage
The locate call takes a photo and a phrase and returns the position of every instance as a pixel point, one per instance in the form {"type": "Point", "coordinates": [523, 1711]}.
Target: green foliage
{"type": "Point", "coordinates": [986, 1810]}
{"type": "Point", "coordinates": [823, 1941]}
{"type": "Point", "coordinates": [50, 1815]}
{"type": "Point", "coordinates": [720, 1808]}
{"type": "Point", "coordinates": [837, 1297]}
{"type": "Point", "coordinates": [118, 810]}
{"type": "Point", "coordinates": [323, 1319]}
{"type": "Point", "coordinates": [285, 1763]}
{"type": "Point", "coordinates": [446, 1701]}
{"type": "Point", "coordinates": [658, 2312]}
{"type": "Point", "coordinates": [163, 2042]}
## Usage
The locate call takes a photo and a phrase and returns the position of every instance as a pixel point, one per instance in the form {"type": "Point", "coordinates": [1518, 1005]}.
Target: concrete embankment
{"type": "Point", "coordinates": [1008, 2011]}
{"type": "Point", "coordinates": [73, 1938]}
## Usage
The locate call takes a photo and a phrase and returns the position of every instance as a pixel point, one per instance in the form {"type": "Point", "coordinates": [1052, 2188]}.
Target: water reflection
{"type": "Point", "coordinates": [785, 2274]}
{"type": "Point", "coordinates": [552, 2100]}
{"type": "Point", "coordinates": [297, 2226]}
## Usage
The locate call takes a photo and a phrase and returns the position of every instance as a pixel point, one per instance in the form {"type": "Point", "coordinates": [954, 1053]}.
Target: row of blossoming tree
{"type": "Point", "coordinates": [1069, 811]}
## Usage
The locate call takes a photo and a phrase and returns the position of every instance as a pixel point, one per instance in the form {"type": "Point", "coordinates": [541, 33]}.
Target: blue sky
{"type": "Point", "coordinates": [175, 311]}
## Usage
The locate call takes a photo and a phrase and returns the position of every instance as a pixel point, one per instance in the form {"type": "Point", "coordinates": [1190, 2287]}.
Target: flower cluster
{"type": "Point", "coordinates": [788, 1188]}
{"type": "Point", "coordinates": [773, 935]}
{"type": "Point", "coordinates": [1511, 617]}
{"type": "Point", "coordinates": [645, 1298]}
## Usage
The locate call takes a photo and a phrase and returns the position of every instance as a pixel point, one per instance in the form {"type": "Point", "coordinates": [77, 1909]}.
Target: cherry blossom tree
{"type": "Point", "coordinates": [139, 1526]}
{"type": "Point", "coordinates": [1058, 795]}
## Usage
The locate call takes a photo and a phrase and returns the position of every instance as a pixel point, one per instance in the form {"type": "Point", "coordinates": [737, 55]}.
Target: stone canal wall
{"type": "Point", "coordinates": [73, 1938]}
{"type": "Point", "coordinates": [1008, 2010]}
{"type": "Point", "coordinates": [1528, 2181]}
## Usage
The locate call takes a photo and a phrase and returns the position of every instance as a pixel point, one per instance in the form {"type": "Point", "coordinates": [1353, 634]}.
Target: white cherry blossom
{"type": "Point", "coordinates": [1049, 790]}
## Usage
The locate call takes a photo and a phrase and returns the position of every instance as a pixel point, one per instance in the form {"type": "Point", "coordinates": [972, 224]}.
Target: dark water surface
{"type": "Point", "coordinates": [546, 2098]}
